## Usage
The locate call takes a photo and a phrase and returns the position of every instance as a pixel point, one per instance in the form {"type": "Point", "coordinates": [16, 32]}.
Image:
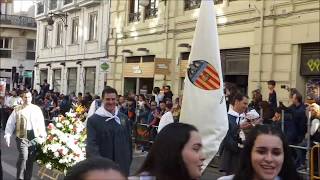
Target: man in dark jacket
{"type": "Point", "coordinates": [108, 132]}
{"type": "Point", "coordinates": [231, 143]}
{"type": "Point", "coordinates": [167, 93]}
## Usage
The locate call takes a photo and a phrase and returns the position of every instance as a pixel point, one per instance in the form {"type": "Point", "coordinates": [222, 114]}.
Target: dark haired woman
{"type": "Point", "coordinates": [265, 156]}
{"type": "Point", "coordinates": [175, 154]}
{"type": "Point", "coordinates": [95, 168]}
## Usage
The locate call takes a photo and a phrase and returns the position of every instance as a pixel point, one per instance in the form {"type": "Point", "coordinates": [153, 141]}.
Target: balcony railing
{"type": "Point", "coordinates": [18, 20]}
{"type": "Point", "coordinates": [191, 4]}
{"type": "Point", "coordinates": [133, 17]}
{"type": "Point", "coordinates": [151, 13]}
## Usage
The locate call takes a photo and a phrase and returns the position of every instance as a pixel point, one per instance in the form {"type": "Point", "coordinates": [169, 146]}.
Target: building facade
{"type": "Point", "coordinates": [150, 41]}
{"type": "Point", "coordinates": [72, 42]}
{"type": "Point", "coordinates": [17, 46]}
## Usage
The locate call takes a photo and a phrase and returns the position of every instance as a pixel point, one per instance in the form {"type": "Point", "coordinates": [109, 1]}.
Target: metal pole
{"type": "Point", "coordinates": [308, 145]}
{"type": "Point", "coordinates": [282, 120]}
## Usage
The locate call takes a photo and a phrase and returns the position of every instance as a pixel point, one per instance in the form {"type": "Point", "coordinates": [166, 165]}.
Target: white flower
{"type": "Point", "coordinates": [56, 154]}
{"type": "Point", "coordinates": [70, 126]}
{"type": "Point", "coordinates": [59, 125]}
{"type": "Point", "coordinates": [66, 122]}
{"type": "Point", "coordinates": [48, 166]}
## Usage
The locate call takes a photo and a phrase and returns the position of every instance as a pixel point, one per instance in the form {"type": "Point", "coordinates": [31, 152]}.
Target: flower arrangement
{"type": "Point", "coordinates": [65, 142]}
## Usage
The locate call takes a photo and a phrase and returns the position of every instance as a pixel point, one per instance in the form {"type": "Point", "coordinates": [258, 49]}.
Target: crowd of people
{"type": "Point", "coordinates": [258, 130]}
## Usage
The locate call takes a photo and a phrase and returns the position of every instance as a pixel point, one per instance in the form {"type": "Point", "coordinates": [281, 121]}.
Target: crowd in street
{"type": "Point", "coordinates": [258, 130]}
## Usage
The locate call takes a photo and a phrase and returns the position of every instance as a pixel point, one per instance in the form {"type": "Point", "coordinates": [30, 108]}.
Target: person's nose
{"type": "Point", "coordinates": [268, 157]}
{"type": "Point", "coordinates": [202, 156]}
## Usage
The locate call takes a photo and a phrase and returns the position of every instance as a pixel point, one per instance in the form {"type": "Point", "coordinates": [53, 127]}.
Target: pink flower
{"type": "Point", "coordinates": [50, 126]}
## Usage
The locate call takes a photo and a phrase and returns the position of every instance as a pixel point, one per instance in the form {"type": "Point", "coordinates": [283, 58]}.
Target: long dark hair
{"type": "Point", "coordinates": [245, 170]}
{"type": "Point", "coordinates": [164, 160]}
{"type": "Point", "coordinates": [78, 171]}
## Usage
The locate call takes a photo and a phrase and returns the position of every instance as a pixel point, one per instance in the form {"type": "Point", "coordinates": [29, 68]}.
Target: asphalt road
{"type": "Point", "coordinates": [10, 154]}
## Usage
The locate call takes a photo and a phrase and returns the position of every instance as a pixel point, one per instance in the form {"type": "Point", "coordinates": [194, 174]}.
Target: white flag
{"type": "Point", "coordinates": [203, 103]}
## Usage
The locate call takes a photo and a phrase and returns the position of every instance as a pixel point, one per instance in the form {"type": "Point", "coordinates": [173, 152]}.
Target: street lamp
{"type": "Point", "coordinates": [50, 20]}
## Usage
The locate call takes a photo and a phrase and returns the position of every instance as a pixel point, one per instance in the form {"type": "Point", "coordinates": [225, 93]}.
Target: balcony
{"type": "Point", "coordinates": [151, 13]}
{"type": "Point", "coordinates": [133, 17]}
{"type": "Point", "coordinates": [88, 3]}
{"type": "Point", "coordinates": [191, 4]}
{"type": "Point", "coordinates": [18, 21]}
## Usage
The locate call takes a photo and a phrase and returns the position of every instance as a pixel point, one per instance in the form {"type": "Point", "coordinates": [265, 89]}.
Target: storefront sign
{"type": "Point", "coordinates": [104, 64]}
{"type": "Point", "coordinates": [310, 66]}
{"type": "Point", "coordinates": [136, 70]}
{"type": "Point", "coordinates": [162, 66]}
{"type": "Point", "coordinates": [27, 74]}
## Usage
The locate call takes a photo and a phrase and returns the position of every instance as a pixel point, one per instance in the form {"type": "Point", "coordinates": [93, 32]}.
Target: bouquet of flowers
{"type": "Point", "coordinates": [65, 143]}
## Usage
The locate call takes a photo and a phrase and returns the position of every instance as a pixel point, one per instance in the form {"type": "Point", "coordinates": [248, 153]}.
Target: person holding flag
{"type": "Point", "coordinates": [204, 104]}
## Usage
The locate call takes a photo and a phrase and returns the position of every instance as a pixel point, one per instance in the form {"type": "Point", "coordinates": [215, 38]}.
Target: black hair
{"type": "Point", "coordinates": [298, 97]}
{"type": "Point", "coordinates": [108, 90]}
{"type": "Point", "coordinates": [271, 82]}
{"type": "Point", "coordinates": [169, 87]}
{"type": "Point", "coordinates": [245, 170]}
{"type": "Point", "coordinates": [169, 104]}
{"type": "Point", "coordinates": [78, 171]}
{"type": "Point", "coordinates": [79, 93]}
{"type": "Point", "coordinates": [164, 161]}
{"type": "Point", "coordinates": [156, 90]}
{"type": "Point", "coordinates": [238, 97]}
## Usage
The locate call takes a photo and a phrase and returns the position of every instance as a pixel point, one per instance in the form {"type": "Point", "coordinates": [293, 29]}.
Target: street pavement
{"type": "Point", "coordinates": [10, 154]}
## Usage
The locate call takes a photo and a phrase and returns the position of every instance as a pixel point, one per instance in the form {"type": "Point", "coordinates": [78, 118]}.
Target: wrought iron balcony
{"type": "Point", "coordinates": [18, 20]}
{"type": "Point", "coordinates": [133, 17]}
{"type": "Point", "coordinates": [151, 13]}
{"type": "Point", "coordinates": [191, 4]}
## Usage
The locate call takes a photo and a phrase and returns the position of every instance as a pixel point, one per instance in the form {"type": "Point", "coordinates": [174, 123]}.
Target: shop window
{"type": "Point", "coordinates": [5, 47]}
{"type": "Point", "coordinates": [72, 80]}
{"type": "Point", "coordinates": [90, 76]}
{"type": "Point", "coordinates": [151, 10]}
{"type": "Point", "coordinates": [31, 49]}
{"type": "Point", "coordinates": [134, 13]}
{"type": "Point", "coordinates": [182, 83]}
{"type": "Point", "coordinates": [133, 59]}
{"type": "Point", "coordinates": [149, 58]}
{"type": "Point", "coordinates": [57, 80]}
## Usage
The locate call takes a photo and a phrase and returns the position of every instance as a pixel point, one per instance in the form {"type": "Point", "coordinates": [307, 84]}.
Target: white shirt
{"type": "Point", "coordinates": [7, 101]}
{"type": "Point", "coordinates": [166, 119]}
{"type": "Point", "coordinates": [315, 125]}
{"type": "Point", "coordinates": [232, 176]}
{"type": "Point", "coordinates": [240, 117]}
{"type": "Point", "coordinates": [35, 121]}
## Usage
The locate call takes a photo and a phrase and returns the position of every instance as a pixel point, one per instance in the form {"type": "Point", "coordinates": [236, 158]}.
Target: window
{"type": "Point", "coordinates": [93, 18]}
{"type": "Point", "coordinates": [191, 4]}
{"type": "Point", "coordinates": [59, 34]}
{"type": "Point", "coordinates": [72, 80]}
{"type": "Point", "coordinates": [46, 37]}
{"type": "Point", "coordinates": [43, 75]}
{"type": "Point", "coordinates": [134, 14]}
{"type": "Point", "coordinates": [31, 49]}
{"type": "Point", "coordinates": [149, 58]}
{"type": "Point", "coordinates": [57, 80]}
{"type": "Point", "coordinates": [52, 4]}
{"type": "Point", "coordinates": [152, 9]}
{"type": "Point", "coordinates": [133, 59]}
{"type": "Point", "coordinates": [75, 30]}
{"type": "Point", "coordinates": [40, 7]}
{"type": "Point", "coordinates": [5, 47]}
{"type": "Point", "coordinates": [65, 2]}
{"type": "Point", "coordinates": [182, 83]}
{"type": "Point", "coordinates": [90, 76]}
{"type": "Point", "coordinates": [184, 56]}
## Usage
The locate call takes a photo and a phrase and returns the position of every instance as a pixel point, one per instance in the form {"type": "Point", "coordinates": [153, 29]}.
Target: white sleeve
{"type": "Point", "coordinates": [11, 124]}
{"type": "Point", "coordinates": [41, 124]}
{"type": "Point", "coordinates": [315, 125]}
{"type": "Point", "coordinates": [92, 109]}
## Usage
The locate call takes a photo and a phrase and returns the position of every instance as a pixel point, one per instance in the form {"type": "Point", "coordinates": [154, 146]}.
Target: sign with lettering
{"type": "Point", "coordinates": [310, 65]}
{"type": "Point", "coordinates": [162, 66]}
{"type": "Point", "coordinates": [104, 64]}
